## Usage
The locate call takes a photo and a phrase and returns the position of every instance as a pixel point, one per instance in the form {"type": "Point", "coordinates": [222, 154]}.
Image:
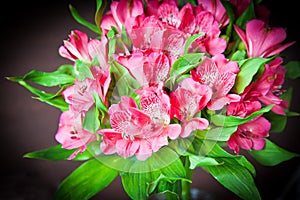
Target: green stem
{"type": "Point", "coordinates": [186, 186]}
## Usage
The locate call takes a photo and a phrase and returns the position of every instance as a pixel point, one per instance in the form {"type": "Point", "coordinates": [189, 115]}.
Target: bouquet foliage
{"type": "Point", "coordinates": [164, 88]}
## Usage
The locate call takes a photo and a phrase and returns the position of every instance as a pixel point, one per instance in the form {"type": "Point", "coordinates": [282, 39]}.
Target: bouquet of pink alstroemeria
{"type": "Point", "coordinates": [167, 87]}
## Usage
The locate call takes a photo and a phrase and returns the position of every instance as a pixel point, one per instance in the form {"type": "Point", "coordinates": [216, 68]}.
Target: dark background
{"type": "Point", "coordinates": [31, 33]}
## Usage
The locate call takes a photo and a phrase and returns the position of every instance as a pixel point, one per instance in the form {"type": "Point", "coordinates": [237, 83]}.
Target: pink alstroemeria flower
{"type": "Point", "coordinates": [149, 68]}
{"type": "Point", "coordinates": [217, 9]}
{"type": "Point", "coordinates": [151, 33]}
{"type": "Point", "coordinates": [76, 47]}
{"type": "Point", "coordinates": [139, 132]}
{"type": "Point", "coordinates": [242, 108]}
{"type": "Point", "coordinates": [261, 40]}
{"type": "Point", "coordinates": [79, 47]}
{"type": "Point", "coordinates": [219, 74]}
{"type": "Point", "coordinates": [71, 134]}
{"type": "Point", "coordinates": [191, 21]}
{"type": "Point", "coordinates": [269, 86]}
{"type": "Point", "coordinates": [250, 135]}
{"type": "Point", "coordinates": [122, 13]}
{"type": "Point", "coordinates": [186, 101]}
{"type": "Point", "coordinates": [79, 96]}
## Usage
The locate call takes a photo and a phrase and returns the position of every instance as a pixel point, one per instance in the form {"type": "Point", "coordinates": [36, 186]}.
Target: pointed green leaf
{"type": "Point", "coordinates": [137, 185]}
{"type": "Point", "coordinates": [238, 55]}
{"type": "Point", "coordinates": [59, 153]}
{"type": "Point", "coordinates": [197, 161]}
{"type": "Point", "coordinates": [292, 69]}
{"type": "Point", "coordinates": [125, 84]}
{"type": "Point", "coordinates": [51, 99]}
{"type": "Point", "coordinates": [247, 15]}
{"type": "Point", "coordinates": [190, 40]}
{"type": "Point", "coordinates": [231, 14]}
{"type": "Point", "coordinates": [278, 122]}
{"type": "Point", "coordinates": [183, 65]}
{"type": "Point", "coordinates": [82, 71]}
{"type": "Point", "coordinates": [100, 105]}
{"type": "Point", "coordinates": [216, 133]}
{"type": "Point", "coordinates": [83, 22]}
{"type": "Point", "coordinates": [168, 190]}
{"type": "Point", "coordinates": [271, 154]}
{"type": "Point", "coordinates": [226, 121]}
{"type": "Point", "coordinates": [219, 152]}
{"type": "Point", "coordinates": [174, 170]}
{"type": "Point", "coordinates": [48, 79]}
{"type": "Point", "coordinates": [100, 8]}
{"type": "Point", "coordinates": [235, 177]}
{"type": "Point", "coordinates": [111, 35]}
{"type": "Point", "coordinates": [85, 181]}
{"type": "Point", "coordinates": [91, 120]}
{"type": "Point", "coordinates": [248, 69]}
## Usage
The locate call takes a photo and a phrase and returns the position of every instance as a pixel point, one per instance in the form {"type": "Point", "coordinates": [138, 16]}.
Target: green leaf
{"type": "Point", "coordinates": [111, 35]}
{"type": "Point", "coordinates": [100, 7]}
{"type": "Point", "coordinates": [51, 99]}
{"type": "Point", "coordinates": [126, 84]}
{"type": "Point", "coordinates": [197, 161]}
{"type": "Point", "coordinates": [91, 120]}
{"type": "Point", "coordinates": [100, 104]}
{"type": "Point", "coordinates": [190, 40]}
{"type": "Point", "coordinates": [83, 22]}
{"type": "Point", "coordinates": [248, 69]}
{"type": "Point", "coordinates": [82, 71]}
{"type": "Point", "coordinates": [238, 55]}
{"type": "Point", "coordinates": [174, 170]}
{"type": "Point", "coordinates": [137, 185]}
{"type": "Point", "coordinates": [227, 121]}
{"type": "Point", "coordinates": [168, 190]}
{"type": "Point", "coordinates": [59, 153]}
{"type": "Point", "coordinates": [85, 181]}
{"type": "Point", "coordinates": [164, 164]}
{"type": "Point", "coordinates": [183, 65]}
{"type": "Point", "coordinates": [292, 70]}
{"type": "Point", "coordinates": [235, 177]}
{"type": "Point", "coordinates": [217, 133]}
{"type": "Point", "coordinates": [230, 12]}
{"type": "Point", "coordinates": [272, 154]}
{"type": "Point", "coordinates": [219, 152]}
{"type": "Point", "coordinates": [48, 79]}
{"type": "Point", "coordinates": [247, 15]}
{"type": "Point", "coordinates": [278, 122]}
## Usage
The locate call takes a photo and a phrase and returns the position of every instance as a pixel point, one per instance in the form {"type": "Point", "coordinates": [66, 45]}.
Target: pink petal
{"type": "Point", "coordinates": [258, 143]}
{"type": "Point", "coordinates": [144, 151]}
{"type": "Point", "coordinates": [158, 142]}
{"type": "Point", "coordinates": [127, 148]}
{"type": "Point", "coordinates": [192, 125]}
{"type": "Point", "coordinates": [172, 130]}
{"type": "Point", "coordinates": [242, 35]}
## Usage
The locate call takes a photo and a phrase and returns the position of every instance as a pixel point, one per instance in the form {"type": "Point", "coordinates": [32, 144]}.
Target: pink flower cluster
{"type": "Point", "coordinates": [158, 33]}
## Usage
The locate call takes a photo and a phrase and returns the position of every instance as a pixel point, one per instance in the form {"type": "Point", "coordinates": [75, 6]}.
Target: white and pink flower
{"type": "Point", "coordinates": [250, 135]}
{"type": "Point", "coordinates": [268, 87]}
{"type": "Point", "coordinates": [219, 74]}
{"type": "Point", "coordinates": [71, 133]}
{"type": "Point", "coordinates": [186, 101]}
{"type": "Point", "coordinates": [261, 40]}
{"type": "Point", "coordinates": [80, 97]}
{"type": "Point", "coordinates": [139, 132]}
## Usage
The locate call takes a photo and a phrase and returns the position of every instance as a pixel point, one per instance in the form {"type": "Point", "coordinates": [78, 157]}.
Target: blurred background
{"type": "Point", "coordinates": [31, 33]}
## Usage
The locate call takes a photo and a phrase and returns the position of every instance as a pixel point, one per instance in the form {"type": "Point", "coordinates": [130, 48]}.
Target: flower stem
{"type": "Point", "coordinates": [186, 186]}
